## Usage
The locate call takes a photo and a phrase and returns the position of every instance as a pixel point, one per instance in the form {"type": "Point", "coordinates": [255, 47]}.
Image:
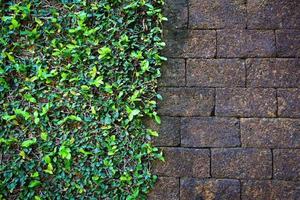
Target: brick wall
{"type": "Point", "coordinates": [231, 109]}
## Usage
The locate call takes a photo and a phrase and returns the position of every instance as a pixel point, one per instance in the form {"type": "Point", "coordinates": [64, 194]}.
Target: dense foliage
{"type": "Point", "coordinates": [76, 81]}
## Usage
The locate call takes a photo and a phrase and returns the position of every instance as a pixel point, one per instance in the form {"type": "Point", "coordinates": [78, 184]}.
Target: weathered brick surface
{"type": "Point", "coordinates": [288, 43]}
{"type": "Point", "coordinates": [270, 190]}
{"type": "Point", "coordinates": [173, 73]}
{"type": "Point", "coordinates": [183, 162]}
{"type": "Point", "coordinates": [270, 133]}
{"type": "Point", "coordinates": [289, 102]}
{"type": "Point", "coordinates": [231, 108]}
{"type": "Point", "coordinates": [221, 189]}
{"type": "Point", "coordinates": [275, 72]}
{"type": "Point", "coordinates": [186, 101]}
{"type": "Point", "coordinates": [246, 102]}
{"type": "Point", "coordinates": [169, 131]}
{"type": "Point", "coordinates": [177, 13]}
{"type": "Point", "coordinates": [245, 43]}
{"type": "Point", "coordinates": [210, 132]}
{"type": "Point", "coordinates": [195, 43]}
{"type": "Point", "coordinates": [215, 72]}
{"type": "Point", "coordinates": [270, 14]}
{"type": "Point", "coordinates": [166, 188]}
{"type": "Point", "coordinates": [217, 14]}
{"type": "Point", "coordinates": [241, 163]}
{"type": "Point", "coordinates": [287, 163]}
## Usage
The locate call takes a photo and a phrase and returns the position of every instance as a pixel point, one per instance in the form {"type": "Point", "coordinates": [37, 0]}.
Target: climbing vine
{"type": "Point", "coordinates": [76, 81]}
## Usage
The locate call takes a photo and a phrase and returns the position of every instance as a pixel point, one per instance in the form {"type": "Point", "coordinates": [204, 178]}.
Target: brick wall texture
{"type": "Point", "coordinates": [231, 109]}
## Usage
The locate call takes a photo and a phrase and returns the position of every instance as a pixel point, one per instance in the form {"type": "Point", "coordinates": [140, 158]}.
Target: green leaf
{"type": "Point", "coordinates": [8, 117]}
{"type": "Point", "coordinates": [47, 159]}
{"type": "Point", "coordinates": [152, 132]}
{"type": "Point", "coordinates": [49, 169]}
{"type": "Point", "coordinates": [44, 136]}
{"type": "Point", "coordinates": [133, 113]}
{"type": "Point", "coordinates": [29, 98]}
{"type": "Point", "coordinates": [34, 184]}
{"type": "Point", "coordinates": [104, 52]}
{"type": "Point", "coordinates": [22, 113]}
{"type": "Point", "coordinates": [28, 143]}
{"type": "Point", "coordinates": [65, 152]}
{"type": "Point", "coordinates": [157, 118]}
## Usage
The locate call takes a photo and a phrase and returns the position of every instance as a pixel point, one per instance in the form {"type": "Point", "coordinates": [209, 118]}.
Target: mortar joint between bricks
{"type": "Point", "coordinates": [241, 189]}
{"type": "Point", "coordinates": [277, 106]}
{"type": "Point", "coordinates": [188, 14]}
{"type": "Point", "coordinates": [272, 159]}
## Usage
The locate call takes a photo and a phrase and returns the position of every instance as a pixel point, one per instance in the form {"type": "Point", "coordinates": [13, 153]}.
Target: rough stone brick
{"type": "Point", "coordinates": [274, 72]}
{"type": "Point", "coordinates": [169, 131]}
{"type": "Point", "coordinates": [186, 101]}
{"type": "Point", "coordinates": [173, 73]}
{"type": "Point", "coordinates": [195, 43]}
{"type": "Point", "coordinates": [246, 102]}
{"type": "Point", "coordinates": [270, 133]}
{"type": "Point", "coordinates": [166, 188]}
{"type": "Point", "coordinates": [288, 43]}
{"type": "Point", "coordinates": [287, 163]}
{"type": "Point", "coordinates": [215, 72]}
{"type": "Point", "coordinates": [288, 102]}
{"type": "Point", "coordinates": [270, 14]}
{"type": "Point", "coordinates": [217, 14]}
{"type": "Point", "coordinates": [221, 189]}
{"type": "Point", "coordinates": [210, 132]}
{"type": "Point", "coordinates": [177, 13]}
{"type": "Point", "coordinates": [241, 163]}
{"type": "Point", "coordinates": [270, 190]}
{"type": "Point", "coordinates": [245, 43]}
{"type": "Point", "coordinates": [183, 162]}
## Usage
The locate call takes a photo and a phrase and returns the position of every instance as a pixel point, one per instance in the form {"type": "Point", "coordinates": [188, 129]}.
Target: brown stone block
{"type": "Point", "coordinates": [288, 102]}
{"type": "Point", "coordinates": [217, 14]}
{"type": "Point", "coordinates": [210, 132]}
{"type": "Point", "coordinates": [166, 188]}
{"type": "Point", "coordinates": [245, 43]}
{"type": "Point", "coordinates": [169, 131]}
{"type": "Point", "coordinates": [173, 73]}
{"type": "Point", "coordinates": [246, 102]}
{"type": "Point", "coordinates": [270, 14]}
{"type": "Point", "coordinates": [274, 72]}
{"type": "Point", "coordinates": [270, 190]}
{"type": "Point", "coordinates": [186, 101]}
{"type": "Point", "coordinates": [287, 163]}
{"type": "Point", "coordinates": [241, 163]}
{"type": "Point", "coordinates": [270, 133]}
{"type": "Point", "coordinates": [195, 43]}
{"type": "Point", "coordinates": [288, 43]}
{"type": "Point", "coordinates": [215, 72]}
{"type": "Point", "coordinates": [177, 13]}
{"type": "Point", "coordinates": [209, 189]}
{"type": "Point", "coordinates": [183, 162]}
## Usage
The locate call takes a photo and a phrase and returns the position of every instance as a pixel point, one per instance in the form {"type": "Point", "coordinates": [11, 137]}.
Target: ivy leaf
{"type": "Point", "coordinates": [65, 152]}
{"type": "Point", "coordinates": [22, 154]}
{"type": "Point", "coordinates": [133, 113]}
{"type": "Point", "coordinates": [44, 136]}
{"type": "Point", "coordinates": [8, 117]}
{"type": "Point", "coordinates": [49, 169]}
{"type": "Point", "coordinates": [28, 143]}
{"type": "Point", "coordinates": [29, 98]}
{"type": "Point", "coordinates": [104, 52]}
{"type": "Point", "coordinates": [152, 132]}
{"type": "Point", "coordinates": [34, 183]}
{"type": "Point", "coordinates": [157, 118]}
{"type": "Point", "coordinates": [22, 113]}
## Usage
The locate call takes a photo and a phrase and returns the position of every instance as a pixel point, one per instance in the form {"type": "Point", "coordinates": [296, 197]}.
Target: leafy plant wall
{"type": "Point", "coordinates": [76, 81]}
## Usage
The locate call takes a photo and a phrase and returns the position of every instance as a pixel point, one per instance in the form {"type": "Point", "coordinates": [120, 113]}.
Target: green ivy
{"type": "Point", "coordinates": [77, 78]}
